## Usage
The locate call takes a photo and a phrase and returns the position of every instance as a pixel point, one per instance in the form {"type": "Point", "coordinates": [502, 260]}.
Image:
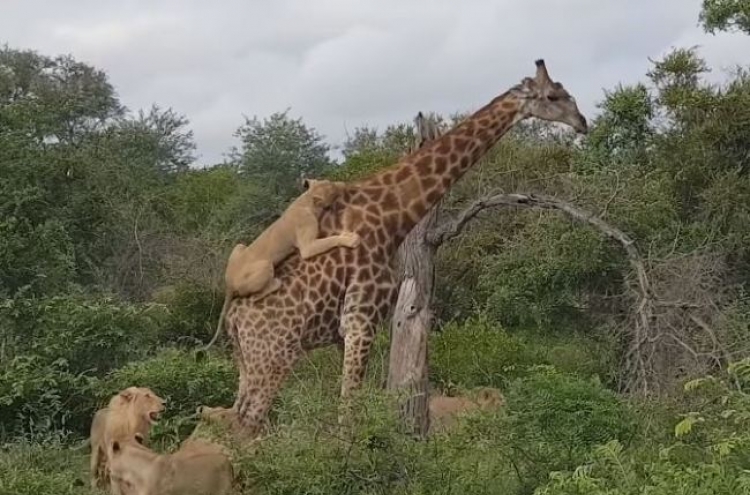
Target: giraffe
{"type": "Point", "coordinates": [339, 297]}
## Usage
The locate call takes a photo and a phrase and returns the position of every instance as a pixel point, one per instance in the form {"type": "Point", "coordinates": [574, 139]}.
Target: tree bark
{"type": "Point", "coordinates": [412, 318]}
{"type": "Point", "coordinates": [411, 325]}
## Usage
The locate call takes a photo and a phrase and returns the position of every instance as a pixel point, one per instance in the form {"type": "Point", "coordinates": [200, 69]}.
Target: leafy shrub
{"type": "Point", "coordinates": [34, 258]}
{"type": "Point", "coordinates": [88, 335]}
{"type": "Point", "coordinates": [708, 454]}
{"type": "Point", "coordinates": [554, 419]}
{"type": "Point", "coordinates": [311, 455]}
{"type": "Point", "coordinates": [193, 310]}
{"type": "Point", "coordinates": [575, 354]}
{"type": "Point", "coordinates": [183, 379]}
{"type": "Point", "coordinates": [42, 401]}
{"type": "Point", "coordinates": [535, 283]}
{"type": "Point", "coordinates": [477, 353]}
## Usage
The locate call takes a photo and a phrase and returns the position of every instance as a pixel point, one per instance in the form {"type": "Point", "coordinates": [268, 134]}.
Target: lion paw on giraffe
{"type": "Point", "coordinates": [342, 292]}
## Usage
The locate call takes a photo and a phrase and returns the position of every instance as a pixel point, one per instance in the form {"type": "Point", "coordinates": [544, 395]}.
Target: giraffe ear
{"type": "Point", "coordinates": [528, 87]}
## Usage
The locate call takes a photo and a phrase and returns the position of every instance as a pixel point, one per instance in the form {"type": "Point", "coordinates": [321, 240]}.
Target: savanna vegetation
{"type": "Point", "coordinates": [112, 247]}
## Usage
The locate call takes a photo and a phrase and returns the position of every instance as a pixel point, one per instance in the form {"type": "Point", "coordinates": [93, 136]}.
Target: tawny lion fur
{"type": "Point", "coordinates": [198, 468]}
{"type": "Point", "coordinates": [132, 411]}
{"type": "Point", "coordinates": [216, 423]}
{"type": "Point", "coordinates": [444, 410]}
{"type": "Point", "coordinates": [250, 269]}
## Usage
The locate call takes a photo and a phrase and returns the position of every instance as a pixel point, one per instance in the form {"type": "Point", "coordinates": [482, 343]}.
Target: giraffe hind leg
{"type": "Point", "coordinates": [264, 377]}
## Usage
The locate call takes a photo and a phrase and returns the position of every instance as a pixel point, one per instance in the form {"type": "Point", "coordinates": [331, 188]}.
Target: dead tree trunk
{"type": "Point", "coordinates": [412, 317]}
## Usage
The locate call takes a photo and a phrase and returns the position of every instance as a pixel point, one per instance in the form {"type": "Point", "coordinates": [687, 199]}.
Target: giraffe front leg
{"type": "Point", "coordinates": [358, 339]}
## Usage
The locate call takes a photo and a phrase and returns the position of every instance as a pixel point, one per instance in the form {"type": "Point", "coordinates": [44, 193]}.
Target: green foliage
{"type": "Point", "coordinates": [95, 200]}
{"type": "Point", "coordinates": [725, 15]}
{"type": "Point", "coordinates": [575, 354]}
{"type": "Point", "coordinates": [278, 151]}
{"type": "Point", "coordinates": [542, 284]}
{"type": "Point", "coordinates": [184, 379]}
{"type": "Point", "coordinates": [622, 132]}
{"type": "Point", "coordinates": [88, 335]}
{"type": "Point", "coordinates": [42, 401]}
{"type": "Point", "coordinates": [709, 454]}
{"type": "Point", "coordinates": [27, 469]}
{"type": "Point", "coordinates": [52, 350]}
{"type": "Point", "coordinates": [476, 353]}
{"type": "Point", "coordinates": [192, 312]}
{"type": "Point", "coordinates": [566, 410]}
{"type": "Point", "coordinates": [309, 457]}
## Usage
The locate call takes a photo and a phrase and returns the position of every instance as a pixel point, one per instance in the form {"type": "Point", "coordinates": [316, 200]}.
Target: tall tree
{"type": "Point", "coordinates": [726, 15]}
{"type": "Point", "coordinates": [279, 150]}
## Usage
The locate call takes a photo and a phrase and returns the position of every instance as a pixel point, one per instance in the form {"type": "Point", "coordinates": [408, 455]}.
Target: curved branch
{"type": "Point", "coordinates": [638, 360]}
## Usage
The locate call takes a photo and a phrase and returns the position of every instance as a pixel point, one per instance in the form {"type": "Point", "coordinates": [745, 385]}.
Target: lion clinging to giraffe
{"type": "Point", "coordinates": [342, 295]}
{"type": "Point", "coordinates": [250, 269]}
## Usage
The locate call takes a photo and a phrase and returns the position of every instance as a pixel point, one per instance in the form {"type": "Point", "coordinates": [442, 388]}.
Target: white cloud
{"type": "Point", "coordinates": [340, 64]}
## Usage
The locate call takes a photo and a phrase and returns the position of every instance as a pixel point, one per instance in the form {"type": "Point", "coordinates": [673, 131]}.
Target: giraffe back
{"type": "Point", "coordinates": [307, 308]}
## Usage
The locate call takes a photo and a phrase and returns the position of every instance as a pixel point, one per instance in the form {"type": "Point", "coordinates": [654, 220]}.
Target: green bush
{"type": "Point", "coordinates": [554, 419]}
{"type": "Point", "coordinates": [308, 452]}
{"type": "Point", "coordinates": [90, 335]}
{"type": "Point", "coordinates": [312, 455]}
{"type": "Point", "coordinates": [476, 353]}
{"type": "Point", "coordinates": [183, 379]}
{"type": "Point", "coordinates": [708, 453]}
{"type": "Point", "coordinates": [193, 310]}
{"type": "Point", "coordinates": [575, 354]}
{"type": "Point", "coordinates": [42, 401]}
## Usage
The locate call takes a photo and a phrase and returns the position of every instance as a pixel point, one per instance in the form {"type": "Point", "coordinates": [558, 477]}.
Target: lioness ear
{"type": "Point", "coordinates": [305, 184]}
{"type": "Point", "coordinates": [127, 395]}
{"type": "Point", "coordinates": [319, 200]}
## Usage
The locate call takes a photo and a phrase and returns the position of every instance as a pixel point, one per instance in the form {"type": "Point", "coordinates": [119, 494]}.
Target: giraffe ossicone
{"type": "Point", "coordinates": [342, 295]}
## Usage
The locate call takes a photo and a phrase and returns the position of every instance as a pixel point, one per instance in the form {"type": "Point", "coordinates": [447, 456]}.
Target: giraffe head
{"type": "Point", "coordinates": [545, 99]}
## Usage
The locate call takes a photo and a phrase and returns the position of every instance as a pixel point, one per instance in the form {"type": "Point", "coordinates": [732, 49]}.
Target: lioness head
{"type": "Point", "coordinates": [322, 192]}
{"type": "Point", "coordinates": [217, 414]}
{"type": "Point", "coordinates": [489, 398]}
{"type": "Point", "coordinates": [142, 400]}
{"type": "Point", "coordinates": [130, 464]}
{"type": "Point", "coordinates": [443, 410]}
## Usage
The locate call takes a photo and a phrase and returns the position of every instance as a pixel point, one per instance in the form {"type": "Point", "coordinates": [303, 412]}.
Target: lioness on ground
{"type": "Point", "coordinates": [215, 422]}
{"type": "Point", "coordinates": [444, 410]}
{"type": "Point", "coordinates": [198, 468]}
{"type": "Point", "coordinates": [250, 269]}
{"type": "Point", "coordinates": [132, 411]}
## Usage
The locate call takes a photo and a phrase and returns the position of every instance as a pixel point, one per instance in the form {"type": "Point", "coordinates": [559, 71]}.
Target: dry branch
{"type": "Point", "coordinates": [673, 299]}
{"type": "Point", "coordinates": [635, 361]}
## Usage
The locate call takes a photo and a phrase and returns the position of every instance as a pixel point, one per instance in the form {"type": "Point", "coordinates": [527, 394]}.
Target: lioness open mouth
{"type": "Point", "coordinates": [153, 416]}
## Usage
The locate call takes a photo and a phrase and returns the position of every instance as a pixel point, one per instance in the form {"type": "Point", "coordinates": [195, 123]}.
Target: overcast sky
{"type": "Point", "coordinates": [341, 64]}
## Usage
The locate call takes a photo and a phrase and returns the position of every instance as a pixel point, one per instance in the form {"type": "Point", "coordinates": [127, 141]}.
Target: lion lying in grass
{"type": "Point", "coordinates": [132, 411]}
{"type": "Point", "coordinates": [197, 468]}
{"type": "Point", "coordinates": [444, 410]}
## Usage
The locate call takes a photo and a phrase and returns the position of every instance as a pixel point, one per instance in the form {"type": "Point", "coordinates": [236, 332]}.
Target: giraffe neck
{"type": "Point", "coordinates": [421, 179]}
